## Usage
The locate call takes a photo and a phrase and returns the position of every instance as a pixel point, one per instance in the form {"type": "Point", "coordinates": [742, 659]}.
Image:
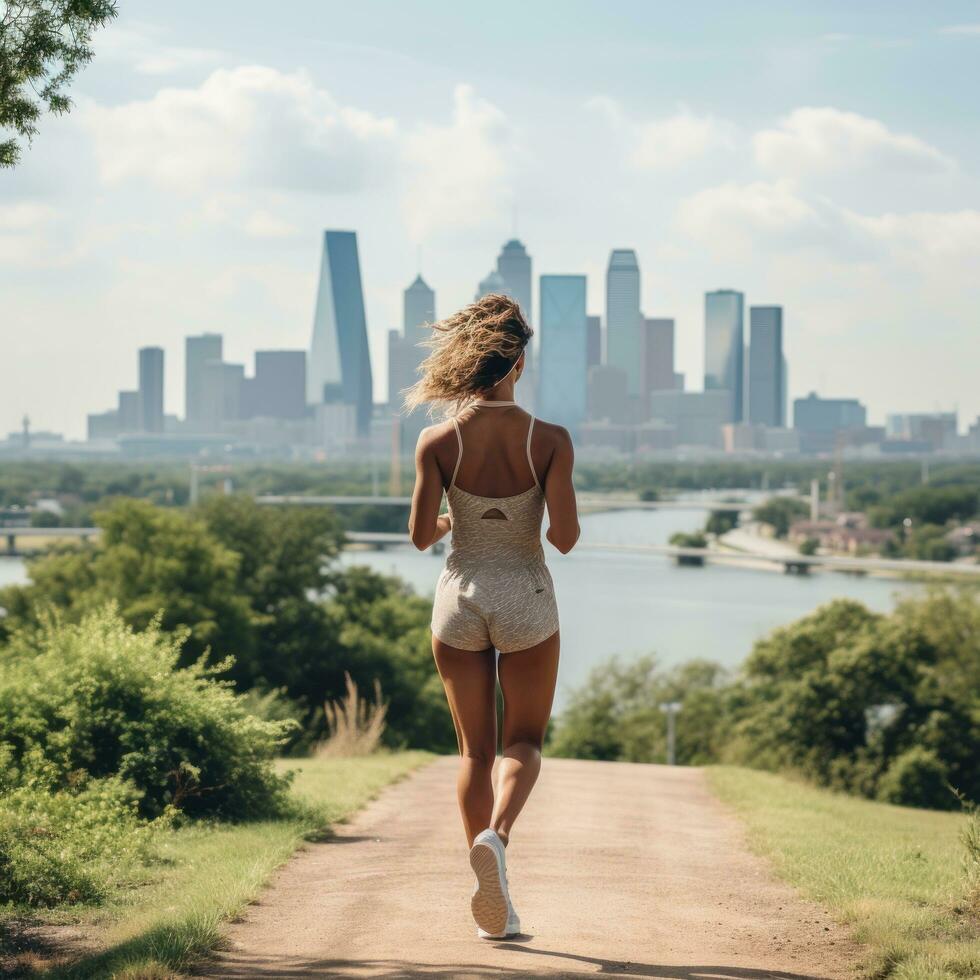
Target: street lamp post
{"type": "Point", "coordinates": [671, 709]}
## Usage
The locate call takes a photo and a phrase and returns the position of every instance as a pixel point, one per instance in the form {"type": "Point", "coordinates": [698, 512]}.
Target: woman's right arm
{"type": "Point", "coordinates": [559, 494]}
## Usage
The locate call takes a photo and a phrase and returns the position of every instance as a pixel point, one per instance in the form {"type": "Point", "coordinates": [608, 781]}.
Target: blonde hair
{"type": "Point", "coordinates": [472, 350]}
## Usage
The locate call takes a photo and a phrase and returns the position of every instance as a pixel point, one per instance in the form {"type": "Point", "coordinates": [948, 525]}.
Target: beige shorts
{"type": "Point", "coordinates": [510, 613]}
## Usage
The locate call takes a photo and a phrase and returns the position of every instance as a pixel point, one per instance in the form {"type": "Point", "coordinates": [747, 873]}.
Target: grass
{"type": "Point", "coordinates": [207, 873]}
{"type": "Point", "coordinates": [894, 875]}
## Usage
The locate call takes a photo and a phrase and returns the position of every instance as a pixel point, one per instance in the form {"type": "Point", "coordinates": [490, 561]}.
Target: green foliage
{"type": "Point", "coordinates": [67, 846]}
{"type": "Point", "coordinates": [927, 505]}
{"type": "Point", "coordinates": [616, 714]}
{"type": "Point", "coordinates": [916, 777]}
{"type": "Point", "coordinates": [779, 513]}
{"type": "Point", "coordinates": [721, 522]}
{"type": "Point", "coordinates": [683, 539]}
{"type": "Point", "coordinates": [98, 700]}
{"type": "Point", "coordinates": [150, 562]}
{"type": "Point", "coordinates": [882, 706]}
{"type": "Point", "coordinates": [809, 546]}
{"type": "Point", "coordinates": [43, 44]}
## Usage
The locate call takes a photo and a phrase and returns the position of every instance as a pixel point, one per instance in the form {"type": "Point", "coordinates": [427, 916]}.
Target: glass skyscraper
{"type": "Point", "coordinates": [419, 309]}
{"type": "Point", "coordinates": [624, 347]}
{"type": "Point", "coordinates": [563, 365]}
{"type": "Point", "coordinates": [340, 361]}
{"type": "Point", "coordinates": [766, 396]}
{"type": "Point", "coordinates": [724, 352]}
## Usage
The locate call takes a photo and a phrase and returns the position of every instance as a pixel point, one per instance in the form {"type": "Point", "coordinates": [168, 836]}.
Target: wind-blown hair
{"type": "Point", "coordinates": [471, 351]}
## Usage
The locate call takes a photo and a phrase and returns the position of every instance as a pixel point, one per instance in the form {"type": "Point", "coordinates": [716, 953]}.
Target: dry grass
{"type": "Point", "coordinates": [355, 724]}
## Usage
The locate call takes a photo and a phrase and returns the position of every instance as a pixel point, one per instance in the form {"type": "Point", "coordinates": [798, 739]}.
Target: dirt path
{"type": "Point", "coordinates": [614, 868]}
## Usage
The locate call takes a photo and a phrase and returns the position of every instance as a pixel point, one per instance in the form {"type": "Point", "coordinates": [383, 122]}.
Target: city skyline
{"type": "Point", "coordinates": [835, 178]}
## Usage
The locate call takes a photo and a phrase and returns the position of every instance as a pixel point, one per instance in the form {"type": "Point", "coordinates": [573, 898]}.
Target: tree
{"type": "Point", "coordinates": [779, 513]}
{"type": "Point", "coordinates": [43, 44]}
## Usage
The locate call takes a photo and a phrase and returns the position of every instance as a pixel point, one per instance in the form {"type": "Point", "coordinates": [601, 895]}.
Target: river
{"type": "Point", "coordinates": [615, 603]}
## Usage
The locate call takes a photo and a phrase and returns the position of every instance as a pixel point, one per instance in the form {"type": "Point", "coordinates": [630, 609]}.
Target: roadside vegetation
{"type": "Point", "coordinates": [895, 876]}
{"type": "Point", "coordinates": [881, 706]}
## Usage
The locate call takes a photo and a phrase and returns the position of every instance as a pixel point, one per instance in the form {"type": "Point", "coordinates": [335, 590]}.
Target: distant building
{"type": "Point", "coordinates": [724, 347]}
{"type": "Point", "coordinates": [339, 353]}
{"type": "Point", "coordinates": [514, 268]}
{"type": "Point", "coordinates": [658, 355]}
{"type": "Point", "coordinates": [102, 425]}
{"type": "Point", "coordinates": [697, 416]}
{"type": "Point", "coordinates": [607, 397]}
{"type": "Point", "coordinates": [198, 351]}
{"type": "Point", "coordinates": [563, 373]}
{"type": "Point", "coordinates": [493, 282]}
{"type": "Point", "coordinates": [151, 389]}
{"type": "Point", "coordinates": [593, 348]}
{"type": "Point", "coordinates": [278, 389]}
{"type": "Point", "coordinates": [824, 422]}
{"type": "Point", "coordinates": [419, 310]}
{"type": "Point", "coordinates": [624, 348]}
{"type": "Point", "coordinates": [937, 429]}
{"type": "Point", "coordinates": [129, 415]}
{"type": "Point", "coordinates": [766, 399]}
{"type": "Point", "coordinates": [223, 385]}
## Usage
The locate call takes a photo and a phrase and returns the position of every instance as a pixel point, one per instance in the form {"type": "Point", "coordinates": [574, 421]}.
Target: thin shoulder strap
{"type": "Point", "coordinates": [459, 457]}
{"type": "Point", "coordinates": [530, 462]}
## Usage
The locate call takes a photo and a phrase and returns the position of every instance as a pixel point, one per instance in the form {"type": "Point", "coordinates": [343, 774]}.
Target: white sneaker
{"type": "Point", "coordinates": [491, 905]}
{"type": "Point", "coordinates": [512, 929]}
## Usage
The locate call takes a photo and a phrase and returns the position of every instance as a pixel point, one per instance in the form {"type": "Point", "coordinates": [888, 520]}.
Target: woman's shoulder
{"type": "Point", "coordinates": [435, 436]}
{"type": "Point", "coordinates": [550, 433]}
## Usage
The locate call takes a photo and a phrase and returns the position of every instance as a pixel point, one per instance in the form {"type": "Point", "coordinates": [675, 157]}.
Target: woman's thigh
{"type": "Point", "coordinates": [527, 680]}
{"type": "Point", "coordinates": [470, 680]}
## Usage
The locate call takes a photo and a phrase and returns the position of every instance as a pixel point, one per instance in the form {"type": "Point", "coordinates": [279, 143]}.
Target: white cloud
{"type": "Point", "coordinates": [264, 224]}
{"type": "Point", "coordinates": [961, 29]}
{"type": "Point", "coordinates": [735, 218]}
{"type": "Point", "coordinates": [25, 216]}
{"type": "Point", "coordinates": [815, 140]}
{"type": "Point", "coordinates": [667, 143]}
{"type": "Point", "coordinates": [459, 172]}
{"type": "Point", "coordinates": [251, 125]}
{"type": "Point", "coordinates": [140, 46]}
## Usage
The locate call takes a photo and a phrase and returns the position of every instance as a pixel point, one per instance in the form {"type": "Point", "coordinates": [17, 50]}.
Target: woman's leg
{"type": "Point", "coordinates": [471, 686]}
{"type": "Point", "coordinates": [527, 679]}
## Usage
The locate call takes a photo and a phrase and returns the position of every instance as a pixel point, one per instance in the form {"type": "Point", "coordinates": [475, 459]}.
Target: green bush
{"type": "Point", "coordinates": [69, 845]}
{"type": "Point", "coordinates": [100, 699]}
{"type": "Point", "coordinates": [917, 777]}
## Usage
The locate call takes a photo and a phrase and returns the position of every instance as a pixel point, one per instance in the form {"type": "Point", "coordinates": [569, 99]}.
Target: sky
{"type": "Point", "coordinates": [823, 156]}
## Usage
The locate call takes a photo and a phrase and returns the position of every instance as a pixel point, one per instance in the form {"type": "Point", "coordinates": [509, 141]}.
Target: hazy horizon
{"type": "Point", "coordinates": [822, 157]}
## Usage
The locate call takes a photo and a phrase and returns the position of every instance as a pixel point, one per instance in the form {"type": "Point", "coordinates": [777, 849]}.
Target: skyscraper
{"type": "Point", "coordinates": [623, 318]}
{"type": "Point", "coordinates": [151, 389]}
{"type": "Point", "coordinates": [658, 355]}
{"type": "Point", "coordinates": [514, 267]}
{"type": "Point", "coordinates": [563, 372]}
{"type": "Point", "coordinates": [594, 346]}
{"type": "Point", "coordinates": [493, 282]}
{"type": "Point", "coordinates": [278, 390]}
{"type": "Point", "coordinates": [339, 354]}
{"type": "Point", "coordinates": [724, 352]}
{"type": "Point", "coordinates": [766, 399]}
{"type": "Point", "coordinates": [419, 304]}
{"type": "Point", "coordinates": [197, 352]}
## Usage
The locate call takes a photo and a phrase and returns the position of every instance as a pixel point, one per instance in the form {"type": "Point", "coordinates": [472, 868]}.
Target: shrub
{"type": "Point", "coordinates": [101, 699]}
{"type": "Point", "coordinates": [69, 846]}
{"type": "Point", "coordinates": [917, 777]}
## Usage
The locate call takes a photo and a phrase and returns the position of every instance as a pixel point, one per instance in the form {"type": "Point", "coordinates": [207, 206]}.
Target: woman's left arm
{"type": "Point", "coordinates": [425, 524]}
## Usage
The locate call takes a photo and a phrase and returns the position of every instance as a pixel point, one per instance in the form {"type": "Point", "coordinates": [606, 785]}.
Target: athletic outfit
{"type": "Point", "coordinates": [496, 590]}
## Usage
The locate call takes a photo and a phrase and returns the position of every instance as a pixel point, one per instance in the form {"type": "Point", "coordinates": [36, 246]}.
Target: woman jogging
{"type": "Point", "coordinates": [499, 467]}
